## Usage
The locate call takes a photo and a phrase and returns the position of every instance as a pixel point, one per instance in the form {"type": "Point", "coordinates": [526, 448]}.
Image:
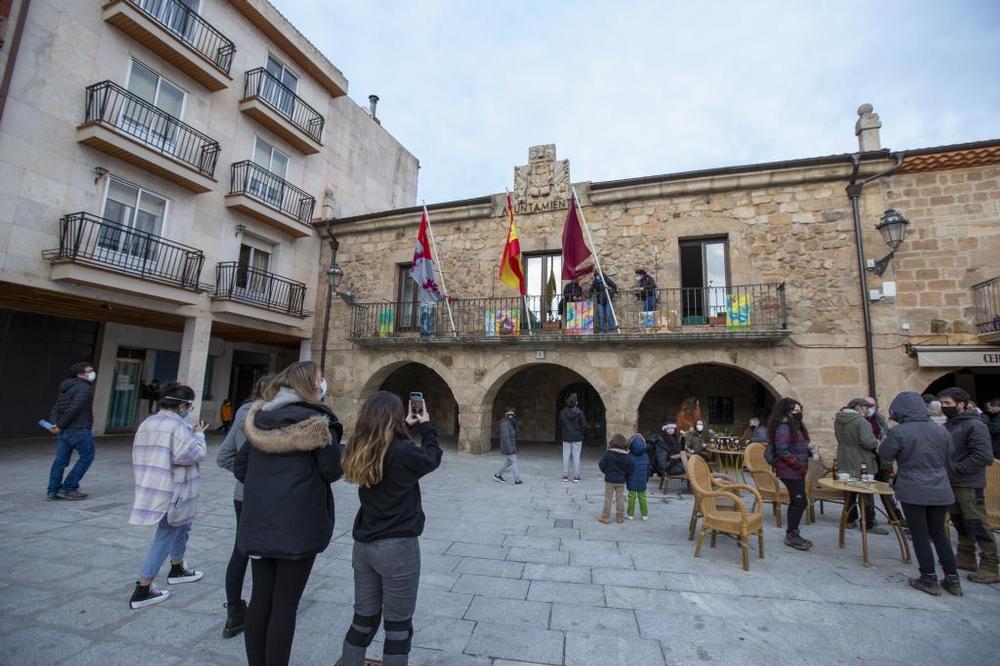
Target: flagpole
{"type": "Point", "coordinates": [440, 269]}
{"type": "Point", "coordinates": [597, 259]}
{"type": "Point", "coordinates": [524, 297]}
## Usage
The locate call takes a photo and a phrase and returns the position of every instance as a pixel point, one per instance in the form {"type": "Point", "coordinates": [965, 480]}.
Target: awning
{"type": "Point", "coordinates": [957, 356]}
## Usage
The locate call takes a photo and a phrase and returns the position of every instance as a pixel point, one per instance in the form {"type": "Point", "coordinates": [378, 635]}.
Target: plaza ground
{"type": "Point", "coordinates": [510, 575]}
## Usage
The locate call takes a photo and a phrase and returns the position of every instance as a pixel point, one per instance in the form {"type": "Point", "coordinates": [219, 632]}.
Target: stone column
{"type": "Point", "coordinates": [104, 384]}
{"type": "Point", "coordinates": [194, 356]}
{"type": "Point", "coordinates": [474, 429]}
{"type": "Point", "coordinates": [305, 350]}
{"type": "Point", "coordinates": [867, 129]}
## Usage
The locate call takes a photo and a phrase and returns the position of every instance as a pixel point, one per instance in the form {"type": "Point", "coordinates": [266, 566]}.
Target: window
{"type": "Point", "coordinates": [543, 273]}
{"type": "Point", "coordinates": [139, 214]}
{"type": "Point", "coordinates": [282, 96]}
{"type": "Point", "coordinates": [137, 120]}
{"type": "Point", "coordinates": [704, 276]}
{"type": "Point", "coordinates": [407, 299]}
{"type": "Point", "coordinates": [720, 410]}
{"type": "Point", "coordinates": [253, 267]}
{"type": "Point", "coordinates": [267, 188]}
{"type": "Point", "coordinates": [176, 16]}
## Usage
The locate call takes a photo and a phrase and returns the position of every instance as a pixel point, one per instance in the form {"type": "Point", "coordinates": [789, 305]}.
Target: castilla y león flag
{"type": "Point", "coordinates": [511, 266]}
{"type": "Point", "coordinates": [574, 250]}
{"type": "Point", "coordinates": [423, 265]}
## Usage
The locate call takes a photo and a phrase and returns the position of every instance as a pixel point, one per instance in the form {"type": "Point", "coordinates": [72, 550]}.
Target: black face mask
{"type": "Point", "coordinates": [951, 412]}
{"type": "Point", "coordinates": [797, 416]}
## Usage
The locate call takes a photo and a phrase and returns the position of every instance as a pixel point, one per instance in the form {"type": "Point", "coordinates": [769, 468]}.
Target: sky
{"type": "Point", "coordinates": [629, 89]}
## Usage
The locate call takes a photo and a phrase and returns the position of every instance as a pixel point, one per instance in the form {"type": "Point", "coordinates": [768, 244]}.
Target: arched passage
{"type": "Point", "coordinates": [537, 392]}
{"type": "Point", "coordinates": [729, 397]}
{"type": "Point", "coordinates": [408, 377]}
{"type": "Point", "coordinates": [981, 383]}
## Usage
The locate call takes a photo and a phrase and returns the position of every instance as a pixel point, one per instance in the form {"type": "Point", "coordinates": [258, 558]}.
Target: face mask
{"type": "Point", "coordinates": [184, 411]}
{"type": "Point", "coordinates": [951, 411]}
{"type": "Point", "coordinates": [699, 428]}
{"type": "Point", "coordinates": [797, 416]}
{"type": "Point", "coordinates": [870, 412]}
{"type": "Point", "coordinates": [91, 376]}
{"type": "Point", "coordinates": [322, 388]}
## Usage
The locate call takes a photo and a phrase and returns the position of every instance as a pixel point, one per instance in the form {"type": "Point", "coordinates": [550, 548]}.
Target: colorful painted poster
{"type": "Point", "coordinates": [580, 318]}
{"type": "Point", "coordinates": [738, 311]}
{"type": "Point", "coordinates": [385, 318]}
{"type": "Point", "coordinates": [503, 322]}
{"type": "Point", "coordinates": [647, 319]}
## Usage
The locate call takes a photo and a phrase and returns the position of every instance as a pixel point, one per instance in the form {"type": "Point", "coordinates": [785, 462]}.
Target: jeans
{"type": "Point", "coordinates": [602, 313]}
{"type": "Point", "coordinates": [169, 541]}
{"type": "Point", "coordinates": [270, 620]}
{"type": "Point", "coordinates": [508, 463]}
{"type": "Point", "coordinates": [236, 571]}
{"type": "Point", "coordinates": [649, 300]}
{"type": "Point", "coordinates": [572, 448]}
{"type": "Point", "coordinates": [640, 495]}
{"type": "Point", "coordinates": [797, 507]}
{"type": "Point", "coordinates": [616, 490]}
{"type": "Point", "coordinates": [427, 323]}
{"type": "Point", "coordinates": [386, 577]}
{"type": "Point", "coordinates": [82, 441]}
{"type": "Point", "coordinates": [926, 525]}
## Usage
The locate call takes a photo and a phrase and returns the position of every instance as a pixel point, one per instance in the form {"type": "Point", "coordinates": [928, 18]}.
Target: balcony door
{"type": "Point", "coordinates": [407, 299]}
{"type": "Point", "coordinates": [543, 273]}
{"type": "Point", "coordinates": [177, 15]}
{"type": "Point", "coordinates": [252, 273]}
{"type": "Point", "coordinates": [281, 97]}
{"type": "Point", "coordinates": [268, 188]}
{"type": "Point", "coordinates": [155, 129]}
{"type": "Point", "coordinates": [135, 216]}
{"type": "Point", "coordinates": [704, 277]}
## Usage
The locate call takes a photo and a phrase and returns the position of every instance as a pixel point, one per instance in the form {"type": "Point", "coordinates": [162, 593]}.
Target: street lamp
{"type": "Point", "coordinates": [893, 230]}
{"type": "Point", "coordinates": [334, 276]}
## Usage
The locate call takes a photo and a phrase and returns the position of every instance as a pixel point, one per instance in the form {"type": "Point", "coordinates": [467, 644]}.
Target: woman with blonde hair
{"type": "Point", "coordinates": [291, 458]}
{"type": "Point", "coordinates": [387, 466]}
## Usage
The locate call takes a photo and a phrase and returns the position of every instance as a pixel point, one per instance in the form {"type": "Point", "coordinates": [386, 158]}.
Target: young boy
{"type": "Point", "coordinates": [508, 447]}
{"type": "Point", "coordinates": [613, 464]}
{"type": "Point", "coordinates": [636, 476]}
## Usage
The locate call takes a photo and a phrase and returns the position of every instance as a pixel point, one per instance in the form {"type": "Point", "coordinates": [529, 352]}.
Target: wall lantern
{"type": "Point", "coordinates": [893, 229]}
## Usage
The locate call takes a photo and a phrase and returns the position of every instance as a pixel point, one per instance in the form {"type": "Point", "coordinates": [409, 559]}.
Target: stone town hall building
{"type": "Point", "coordinates": [777, 240]}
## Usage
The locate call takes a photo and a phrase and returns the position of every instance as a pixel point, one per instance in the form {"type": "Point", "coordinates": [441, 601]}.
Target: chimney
{"type": "Point", "coordinates": [867, 129]}
{"type": "Point", "coordinates": [372, 103]}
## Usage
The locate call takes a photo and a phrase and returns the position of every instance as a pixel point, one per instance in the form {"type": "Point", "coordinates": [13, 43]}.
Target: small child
{"type": "Point", "coordinates": [636, 476]}
{"type": "Point", "coordinates": [613, 464]}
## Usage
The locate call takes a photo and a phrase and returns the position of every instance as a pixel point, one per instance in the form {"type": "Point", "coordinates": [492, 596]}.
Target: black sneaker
{"type": "Point", "coordinates": [57, 496]}
{"type": "Point", "coordinates": [179, 574]}
{"type": "Point", "coordinates": [518, 482]}
{"type": "Point", "coordinates": [498, 478]}
{"type": "Point", "coordinates": [794, 540]}
{"type": "Point", "coordinates": [147, 595]}
{"type": "Point", "coordinates": [74, 495]}
{"type": "Point", "coordinates": [235, 620]}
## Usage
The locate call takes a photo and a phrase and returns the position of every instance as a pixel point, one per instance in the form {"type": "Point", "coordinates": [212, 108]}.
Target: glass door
{"type": "Point", "coordinates": [126, 381]}
{"type": "Point", "coordinates": [268, 187]}
{"type": "Point", "coordinates": [252, 275]}
{"type": "Point", "coordinates": [279, 91]}
{"type": "Point", "coordinates": [155, 129]}
{"type": "Point", "coordinates": [138, 216]}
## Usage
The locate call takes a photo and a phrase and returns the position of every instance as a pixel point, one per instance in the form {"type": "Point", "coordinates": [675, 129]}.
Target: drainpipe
{"type": "Point", "coordinates": [854, 190]}
{"type": "Point", "coordinates": [15, 42]}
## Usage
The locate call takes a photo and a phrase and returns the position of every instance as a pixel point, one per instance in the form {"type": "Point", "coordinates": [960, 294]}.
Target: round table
{"type": "Point", "coordinates": [867, 492]}
{"type": "Point", "coordinates": [730, 460]}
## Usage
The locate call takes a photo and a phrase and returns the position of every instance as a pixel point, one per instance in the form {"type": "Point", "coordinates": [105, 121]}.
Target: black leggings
{"type": "Point", "coordinates": [237, 569]}
{"type": "Point", "coordinates": [270, 623]}
{"type": "Point", "coordinates": [926, 525]}
{"type": "Point", "coordinates": [797, 494]}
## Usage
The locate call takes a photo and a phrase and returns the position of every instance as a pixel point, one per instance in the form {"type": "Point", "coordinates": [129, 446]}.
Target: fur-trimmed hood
{"type": "Point", "coordinates": [289, 428]}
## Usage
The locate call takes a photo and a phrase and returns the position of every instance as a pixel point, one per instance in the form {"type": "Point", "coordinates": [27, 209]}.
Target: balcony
{"type": "Point", "coordinates": [91, 247]}
{"type": "Point", "coordinates": [751, 313]}
{"type": "Point", "coordinates": [257, 192]}
{"type": "Point", "coordinates": [178, 35]}
{"type": "Point", "coordinates": [276, 107]}
{"type": "Point", "coordinates": [273, 299]}
{"type": "Point", "coordinates": [986, 297]}
{"type": "Point", "coordinates": [128, 127]}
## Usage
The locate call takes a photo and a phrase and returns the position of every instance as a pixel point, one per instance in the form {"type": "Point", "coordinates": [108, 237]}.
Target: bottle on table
{"type": "Point", "coordinates": [864, 473]}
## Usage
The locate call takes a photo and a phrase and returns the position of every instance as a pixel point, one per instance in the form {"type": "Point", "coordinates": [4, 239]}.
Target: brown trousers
{"type": "Point", "coordinates": [616, 490]}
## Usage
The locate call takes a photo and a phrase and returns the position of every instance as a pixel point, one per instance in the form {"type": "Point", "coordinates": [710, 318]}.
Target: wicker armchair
{"type": "Point", "coordinates": [817, 493]}
{"type": "Point", "coordinates": [738, 522]}
{"type": "Point", "coordinates": [770, 488]}
{"type": "Point", "coordinates": [993, 495]}
{"type": "Point", "coordinates": [718, 481]}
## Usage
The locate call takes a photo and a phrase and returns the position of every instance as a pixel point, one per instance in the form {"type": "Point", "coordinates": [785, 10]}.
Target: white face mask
{"type": "Point", "coordinates": [91, 376]}
{"type": "Point", "coordinates": [871, 411]}
{"type": "Point", "coordinates": [322, 388]}
{"type": "Point", "coordinates": [699, 427]}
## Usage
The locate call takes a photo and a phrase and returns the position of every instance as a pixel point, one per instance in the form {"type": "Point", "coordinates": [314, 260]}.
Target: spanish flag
{"type": "Point", "coordinates": [511, 266]}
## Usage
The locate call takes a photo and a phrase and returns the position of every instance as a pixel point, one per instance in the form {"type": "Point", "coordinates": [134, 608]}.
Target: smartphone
{"type": "Point", "coordinates": [416, 403]}
{"type": "Point", "coordinates": [45, 424]}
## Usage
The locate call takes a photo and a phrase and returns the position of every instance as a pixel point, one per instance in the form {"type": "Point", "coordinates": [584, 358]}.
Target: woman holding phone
{"type": "Point", "coordinates": [387, 466]}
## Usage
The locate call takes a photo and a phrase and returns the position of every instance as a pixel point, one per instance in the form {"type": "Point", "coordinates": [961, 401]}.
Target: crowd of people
{"type": "Point", "coordinates": [602, 289]}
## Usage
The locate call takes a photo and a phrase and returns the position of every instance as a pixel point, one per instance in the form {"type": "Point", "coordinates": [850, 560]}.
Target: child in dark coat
{"type": "Point", "coordinates": [614, 463]}
{"type": "Point", "coordinates": [636, 476]}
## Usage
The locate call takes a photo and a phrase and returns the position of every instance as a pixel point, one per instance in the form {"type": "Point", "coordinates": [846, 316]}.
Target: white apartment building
{"type": "Point", "coordinates": [161, 164]}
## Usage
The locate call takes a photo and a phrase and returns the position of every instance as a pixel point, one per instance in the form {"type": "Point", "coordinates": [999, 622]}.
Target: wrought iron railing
{"type": "Point", "coordinates": [191, 29]}
{"type": "Point", "coordinates": [238, 282]}
{"type": "Point", "coordinates": [735, 309]}
{"type": "Point", "coordinates": [250, 178]}
{"type": "Point", "coordinates": [111, 105]}
{"type": "Point", "coordinates": [262, 84]}
{"type": "Point", "coordinates": [986, 296]}
{"type": "Point", "coordinates": [88, 239]}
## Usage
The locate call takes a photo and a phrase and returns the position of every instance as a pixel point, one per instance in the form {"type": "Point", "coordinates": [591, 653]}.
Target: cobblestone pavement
{"type": "Point", "coordinates": [510, 575]}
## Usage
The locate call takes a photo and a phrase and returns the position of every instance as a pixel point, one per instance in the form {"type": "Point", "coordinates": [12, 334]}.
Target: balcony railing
{"type": "Point", "coordinates": [111, 105]}
{"type": "Point", "coordinates": [986, 296]}
{"type": "Point", "coordinates": [238, 282]}
{"type": "Point", "coordinates": [253, 180]}
{"type": "Point", "coordinates": [88, 239]}
{"type": "Point", "coordinates": [190, 28]}
{"type": "Point", "coordinates": [753, 310]}
{"type": "Point", "coordinates": [262, 84]}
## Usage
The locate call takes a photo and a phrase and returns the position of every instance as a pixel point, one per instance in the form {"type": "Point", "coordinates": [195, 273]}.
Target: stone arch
{"type": "Point", "coordinates": [775, 381]}
{"type": "Point", "coordinates": [427, 375]}
{"type": "Point", "coordinates": [981, 383]}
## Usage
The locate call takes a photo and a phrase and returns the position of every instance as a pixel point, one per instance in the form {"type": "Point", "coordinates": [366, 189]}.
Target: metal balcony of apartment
{"type": "Point", "coordinates": [273, 298]}
{"type": "Point", "coordinates": [177, 34]}
{"type": "Point", "coordinates": [99, 252]}
{"type": "Point", "coordinates": [750, 313]}
{"type": "Point", "coordinates": [986, 297]}
{"type": "Point", "coordinates": [278, 108]}
{"type": "Point", "coordinates": [265, 196]}
{"type": "Point", "coordinates": [128, 127]}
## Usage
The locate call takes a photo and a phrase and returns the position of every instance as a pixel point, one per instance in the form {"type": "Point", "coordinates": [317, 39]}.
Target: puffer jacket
{"type": "Point", "coordinates": [74, 406]}
{"type": "Point", "coordinates": [637, 468]}
{"type": "Point", "coordinates": [508, 436]}
{"type": "Point", "coordinates": [791, 452]}
{"type": "Point", "coordinates": [614, 464]}
{"type": "Point", "coordinates": [291, 458]}
{"type": "Point", "coordinates": [920, 447]}
{"type": "Point", "coordinates": [856, 443]}
{"type": "Point", "coordinates": [573, 424]}
{"type": "Point", "coordinates": [971, 451]}
{"type": "Point", "coordinates": [993, 426]}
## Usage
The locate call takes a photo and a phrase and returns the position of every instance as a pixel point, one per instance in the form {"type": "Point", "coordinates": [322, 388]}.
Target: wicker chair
{"type": "Point", "coordinates": [817, 493]}
{"type": "Point", "coordinates": [739, 522]}
{"type": "Point", "coordinates": [719, 481]}
{"type": "Point", "coordinates": [667, 478]}
{"type": "Point", "coordinates": [770, 488]}
{"type": "Point", "coordinates": [993, 495]}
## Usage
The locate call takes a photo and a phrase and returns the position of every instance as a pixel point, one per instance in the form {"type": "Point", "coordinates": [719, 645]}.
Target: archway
{"type": "Point", "coordinates": [441, 402]}
{"type": "Point", "coordinates": [729, 397]}
{"type": "Point", "coordinates": [981, 383]}
{"type": "Point", "coordinates": [537, 393]}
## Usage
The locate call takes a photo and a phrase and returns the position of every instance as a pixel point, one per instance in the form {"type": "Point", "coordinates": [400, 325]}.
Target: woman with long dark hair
{"type": "Point", "coordinates": [790, 439]}
{"type": "Point", "coordinates": [387, 467]}
{"type": "Point", "coordinates": [292, 457]}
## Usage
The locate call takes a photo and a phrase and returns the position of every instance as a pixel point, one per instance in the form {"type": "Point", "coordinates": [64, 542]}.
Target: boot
{"type": "Point", "coordinates": [953, 585]}
{"type": "Point", "coordinates": [966, 560]}
{"type": "Point", "coordinates": [928, 584]}
{"type": "Point", "coordinates": [235, 619]}
{"type": "Point", "coordinates": [794, 540]}
{"type": "Point", "coordinates": [985, 574]}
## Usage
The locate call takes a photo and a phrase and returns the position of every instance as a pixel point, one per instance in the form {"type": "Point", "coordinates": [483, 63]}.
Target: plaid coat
{"type": "Point", "coordinates": [165, 457]}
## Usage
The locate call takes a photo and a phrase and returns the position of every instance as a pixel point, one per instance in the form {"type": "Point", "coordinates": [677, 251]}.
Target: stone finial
{"type": "Point", "coordinates": [867, 129]}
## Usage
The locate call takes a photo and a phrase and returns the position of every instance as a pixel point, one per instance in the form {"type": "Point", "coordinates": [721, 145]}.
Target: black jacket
{"type": "Point", "coordinates": [74, 406]}
{"type": "Point", "coordinates": [572, 424]}
{"type": "Point", "coordinates": [508, 436]}
{"type": "Point", "coordinates": [596, 290]}
{"type": "Point", "coordinates": [921, 449]}
{"type": "Point", "coordinates": [392, 508]}
{"type": "Point", "coordinates": [971, 451]}
{"type": "Point", "coordinates": [614, 464]}
{"type": "Point", "coordinates": [993, 425]}
{"type": "Point", "coordinates": [292, 458]}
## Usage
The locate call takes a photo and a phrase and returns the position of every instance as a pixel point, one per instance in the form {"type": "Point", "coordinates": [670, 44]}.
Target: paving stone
{"type": "Point", "coordinates": [538, 556]}
{"type": "Point", "coordinates": [596, 649]}
{"type": "Point", "coordinates": [576, 593]}
{"type": "Point", "coordinates": [441, 633]}
{"type": "Point", "coordinates": [598, 558]}
{"type": "Point", "coordinates": [477, 550]}
{"type": "Point", "coordinates": [447, 604]}
{"type": "Point", "coordinates": [536, 542]}
{"type": "Point", "coordinates": [556, 572]}
{"type": "Point", "coordinates": [492, 586]}
{"type": "Point", "coordinates": [521, 644]}
{"type": "Point", "coordinates": [628, 578]}
{"type": "Point", "coordinates": [509, 611]}
{"type": "Point", "coordinates": [640, 599]}
{"type": "Point", "coordinates": [499, 568]}
{"type": "Point", "coordinates": [573, 617]}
